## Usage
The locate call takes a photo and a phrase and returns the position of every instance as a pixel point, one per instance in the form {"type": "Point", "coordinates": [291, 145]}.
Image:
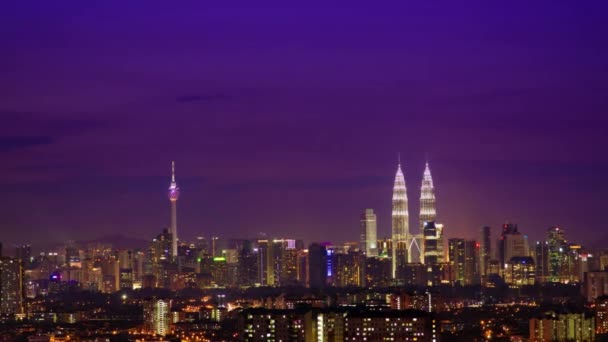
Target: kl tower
{"type": "Point", "coordinates": [173, 196]}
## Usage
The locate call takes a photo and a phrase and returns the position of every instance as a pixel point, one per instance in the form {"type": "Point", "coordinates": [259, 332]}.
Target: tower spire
{"type": "Point", "coordinates": [173, 171]}
{"type": "Point", "coordinates": [428, 211]}
{"type": "Point", "coordinates": [173, 196]}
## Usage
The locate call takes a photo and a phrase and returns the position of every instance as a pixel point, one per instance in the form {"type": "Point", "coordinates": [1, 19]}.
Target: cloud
{"type": "Point", "coordinates": [201, 98]}
{"type": "Point", "coordinates": [51, 124]}
{"type": "Point", "coordinates": [329, 184]}
{"type": "Point", "coordinates": [8, 144]}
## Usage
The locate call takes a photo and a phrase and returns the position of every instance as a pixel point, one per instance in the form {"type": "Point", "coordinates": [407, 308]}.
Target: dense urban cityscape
{"type": "Point", "coordinates": [405, 287]}
{"type": "Point", "coordinates": [307, 171]}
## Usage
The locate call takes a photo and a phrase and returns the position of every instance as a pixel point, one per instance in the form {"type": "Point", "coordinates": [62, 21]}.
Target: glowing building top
{"type": "Point", "coordinates": [428, 212]}
{"type": "Point", "coordinates": [173, 189]}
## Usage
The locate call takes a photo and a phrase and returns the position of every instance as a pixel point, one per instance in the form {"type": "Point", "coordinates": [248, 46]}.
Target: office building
{"type": "Point", "coordinates": [11, 286]}
{"type": "Point", "coordinates": [456, 254]}
{"type": "Point", "coordinates": [348, 268]}
{"type": "Point", "coordinates": [471, 263]}
{"type": "Point", "coordinates": [433, 243]}
{"type": "Point", "coordinates": [369, 241]}
{"type": "Point", "coordinates": [557, 255]}
{"type": "Point", "coordinates": [512, 244]}
{"type": "Point", "coordinates": [520, 271]}
{"type": "Point", "coordinates": [247, 265]}
{"type": "Point", "coordinates": [541, 256]}
{"type": "Point", "coordinates": [485, 253]}
{"type": "Point", "coordinates": [318, 270]}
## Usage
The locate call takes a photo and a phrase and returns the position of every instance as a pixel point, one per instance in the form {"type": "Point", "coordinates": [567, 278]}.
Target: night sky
{"type": "Point", "coordinates": [288, 120]}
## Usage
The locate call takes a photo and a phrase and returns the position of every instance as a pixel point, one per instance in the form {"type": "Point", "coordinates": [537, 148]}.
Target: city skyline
{"type": "Point", "coordinates": [427, 205]}
{"type": "Point", "coordinates": [307, 171]}
{"type": "Point", "coordinates": [252, 103]}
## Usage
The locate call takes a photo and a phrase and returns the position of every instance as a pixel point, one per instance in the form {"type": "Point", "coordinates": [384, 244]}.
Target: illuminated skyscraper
{"type": "Point", "coordinates": [173, 196]}
{"type": "Point", "coordinates": [428, 211]}
{"type": "Point", "coordinates": [431, 250]}
{"type": "Point", "coordinates": [156, 316]}
{"type": "Point", "coordinates": [400, 223]}
{"type": "Point", "coordinates": [11, 286]}
{"type": "Point", "coordinates": [24, 253]}
{"type": "Point", "coordinates": [507, 229]}
{"type": "Point", "coordinates": [486, 251]}
{"type": "Point", "coordinates": [457, 255]}
{"type": "Point", "coordinates": [557, 253]}
{"type": "Point", "coordinates": [369, 242]}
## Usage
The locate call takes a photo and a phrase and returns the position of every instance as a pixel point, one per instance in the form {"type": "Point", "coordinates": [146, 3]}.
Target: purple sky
{"type": "Point", "coordinates": [287, 120]}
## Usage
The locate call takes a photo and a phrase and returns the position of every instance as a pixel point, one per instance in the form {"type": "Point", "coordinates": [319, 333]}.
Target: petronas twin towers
{"type": "Point", "coordinates": [403, 240]}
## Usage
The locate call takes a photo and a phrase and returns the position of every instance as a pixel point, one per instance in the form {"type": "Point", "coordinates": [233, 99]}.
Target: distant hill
{"type": "Point", "coordinates": [117, 241]}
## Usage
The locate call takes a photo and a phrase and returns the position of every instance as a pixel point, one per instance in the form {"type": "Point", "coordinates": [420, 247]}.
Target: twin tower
{"type": "Point", "coordinates": [403, 241]}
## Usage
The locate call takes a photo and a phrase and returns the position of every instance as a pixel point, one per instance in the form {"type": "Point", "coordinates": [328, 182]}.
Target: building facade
{"type": "Point", "coordinates": [369, 240]}
{"type": "Point", "coordinates": [11, 286]}
{"type": "Point", "coordinates": [400, 224]}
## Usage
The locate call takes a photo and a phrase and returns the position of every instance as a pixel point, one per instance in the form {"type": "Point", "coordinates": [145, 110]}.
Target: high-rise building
{"type": "Point", "coordinates": [456, 254]}
{"type": "Point", "coordinates": [471, 262]}
{"type": "Point", "coordinates": [464, 256]}
{"type": "Point", "coordinates": [400, 223]}
{"type": "Point", "coordinates": [24, 253]}
{"type": "Point", "coordinates": [348, 268]}
{"type": "Point", "coordinates": [485, 253]}
{"type": "Point", "coordinates": [541, 256]}
{"type": "Point", "coordinates": [285, 261]}
{"type": "Point", "coordinates": [11, 286]}
{"type": "Point", "coordinates": [215, 249]}
{"type": "Point", "coordinates": [221, 272]}
{"type": "Point", "coordinates": [369, 241]}
{"type": "Point", "coordinates": [520, 271]}
{"type": "Point", "coordinates": [303, 267]}
{"type": "Point", "coordinates": [265, 263]}
{"type": "Point", "coordinates": [601, 315]}
{"type": "Point", "coordinates": [173, 196]}
{"type": "Point", "coordinates": [516, 245]}
{"type": "Point", "coordinates": [159, 255]}
{"type": "Point", "coordinates": [378, 272]}
{"type": "Point", "coordinates": [278, 261]}
{"type": "Point", "coordinates": [428, 211]}
{"type": "Point", "coordinates": [558, 254]}
{"type": "Point", "coordinates": [511, 244]}
{"type": "Point", "coordinates": [595, 285]}
{"type": "Point", "coordinates": [156, 316]}
{"type": "Point", "coordinates": [248, 265]}
{"type": "Point", "coordinates": [432, 253]}
{"type": "Point", "coordinates": [317, 265]}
